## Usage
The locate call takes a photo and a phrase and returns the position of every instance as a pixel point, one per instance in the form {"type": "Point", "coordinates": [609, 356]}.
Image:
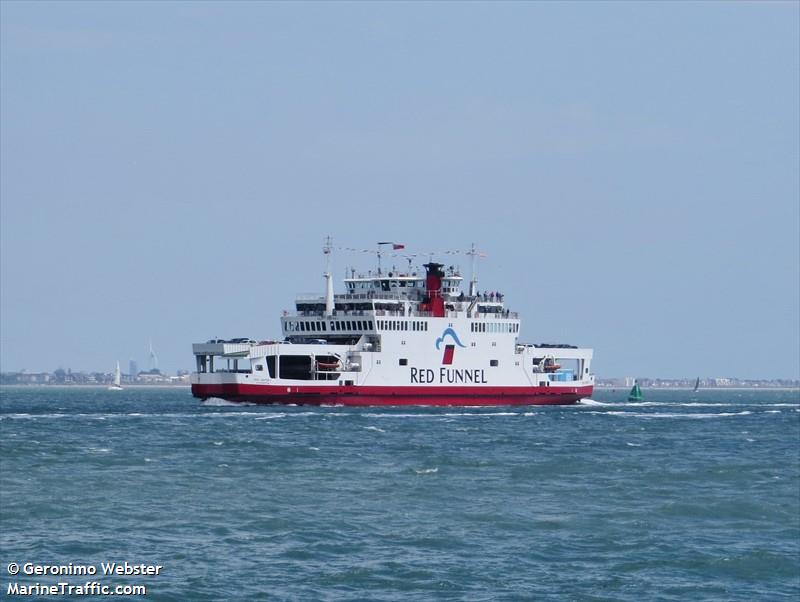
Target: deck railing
{"type": "Point", "coordinates": [511, 315]}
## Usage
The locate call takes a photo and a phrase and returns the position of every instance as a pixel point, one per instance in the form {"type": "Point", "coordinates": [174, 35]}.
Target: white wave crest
{"type": "Point", "coordinates": [217, 401]}
{"type": "Point", "coordinates": [675, 414]}
{"type": "Point", "coordinates": [272, 416]}
{"type": "Point", "coordinates": [592, 402]}
{"type": "Point", "coordinates": [439, 416]}
{"type": "Point", "coordinates": [426, 470]}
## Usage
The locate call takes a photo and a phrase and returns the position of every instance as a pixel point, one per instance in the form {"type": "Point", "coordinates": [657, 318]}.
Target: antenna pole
{"type": "Point", "coordinates": [473, 283]}
{"type": "Point", "coordinates": [326, 249]}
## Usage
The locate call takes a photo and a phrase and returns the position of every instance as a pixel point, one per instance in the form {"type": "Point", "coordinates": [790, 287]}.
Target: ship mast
{"type": "Point", "coordinates": [379, 255]}
{"type": "Point", "coordinates": [326, 249]}
{"type": "Point", "coordinates": [473, 282]}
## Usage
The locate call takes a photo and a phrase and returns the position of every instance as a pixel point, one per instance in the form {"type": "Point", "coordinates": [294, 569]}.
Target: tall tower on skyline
{"type": "Point", "coordinates": [133, 369]}
{"type": "Point", "coordinates": [153, 357]}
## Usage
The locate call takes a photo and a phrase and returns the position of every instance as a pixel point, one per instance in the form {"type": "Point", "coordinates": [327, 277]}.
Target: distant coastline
{"type": "Point", "coordinates": [605, 387]}
{"type": "Point", "coordinates": [156, 378]}
{"type": "Point", "coordinates": [678, 384]}
{"type": "Point", "coordinates": [61, 377]}
{"type": "Point", "coordinates": [94, 386]}
{"type": "Point", "coordinates": [600, 386]}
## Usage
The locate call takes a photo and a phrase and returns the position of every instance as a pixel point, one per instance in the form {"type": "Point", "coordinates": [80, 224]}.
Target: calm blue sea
{"type": "Point", "coordinates": [687, 496]}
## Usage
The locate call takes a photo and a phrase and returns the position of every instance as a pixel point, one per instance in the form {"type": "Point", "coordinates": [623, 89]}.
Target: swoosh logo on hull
{"type": "Point", "coordinates": [452, 333]}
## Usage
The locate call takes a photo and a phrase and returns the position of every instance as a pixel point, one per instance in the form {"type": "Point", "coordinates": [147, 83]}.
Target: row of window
{"type": "Point", "coordinates": [333, 325]}
{"type": "Point", "coordinates": [413, 325]}
{"type": "Point", "coordinates": [448, 285]}
{"type": "Point", "coordinates": [493, 363]}
{"type": "Point", "coordinates": [385, 284]}
{"type": "Point", "coordinates": [494, 327]}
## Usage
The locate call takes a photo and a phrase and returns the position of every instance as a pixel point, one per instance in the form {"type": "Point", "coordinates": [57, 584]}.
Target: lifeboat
{"type": "Point", "coordinates": [327, 366]}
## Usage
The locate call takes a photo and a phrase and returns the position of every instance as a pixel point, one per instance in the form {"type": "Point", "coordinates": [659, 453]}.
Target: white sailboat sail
{"type": "Point", "coordinates": [117, 385]}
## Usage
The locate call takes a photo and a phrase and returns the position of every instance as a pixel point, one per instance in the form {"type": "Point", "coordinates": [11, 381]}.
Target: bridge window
{"type": "Point", "coordinates": [403, 361]}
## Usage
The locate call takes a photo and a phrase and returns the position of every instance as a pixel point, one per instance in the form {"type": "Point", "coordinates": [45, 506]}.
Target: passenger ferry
{"type": "Point", "coordinates": [395, 338]}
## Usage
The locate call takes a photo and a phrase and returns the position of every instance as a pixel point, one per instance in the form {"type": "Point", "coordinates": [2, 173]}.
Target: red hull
{"type": "Point", "coordinates": [394, 396]}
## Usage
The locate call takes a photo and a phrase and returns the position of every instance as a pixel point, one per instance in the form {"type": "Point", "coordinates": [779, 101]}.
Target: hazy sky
{"type": "Point", "coordinates": [169, 171]}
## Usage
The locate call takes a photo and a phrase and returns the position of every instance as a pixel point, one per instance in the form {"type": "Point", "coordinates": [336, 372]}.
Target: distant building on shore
{"type": "Point", "coordinates": [33, 378]}
{"type": "Point", "coordinates": [153, 376]}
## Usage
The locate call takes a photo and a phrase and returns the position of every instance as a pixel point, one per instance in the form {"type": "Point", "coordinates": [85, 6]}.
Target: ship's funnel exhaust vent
{"type": "Point", "coordinates": [433, 289]}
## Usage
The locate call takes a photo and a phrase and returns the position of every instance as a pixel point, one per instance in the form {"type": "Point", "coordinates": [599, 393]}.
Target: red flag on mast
{"type": "Point", "coordinates": [396, 246]}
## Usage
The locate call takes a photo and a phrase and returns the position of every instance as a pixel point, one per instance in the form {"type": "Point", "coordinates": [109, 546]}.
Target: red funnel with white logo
{"type": "Point", "coordinates": [433, 289]}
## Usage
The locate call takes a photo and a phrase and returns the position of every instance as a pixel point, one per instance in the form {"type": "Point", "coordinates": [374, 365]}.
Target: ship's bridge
{"type": "Point", "coordinates": [388, 292]}
{"type": "Point", "coordinates": [402, 285]}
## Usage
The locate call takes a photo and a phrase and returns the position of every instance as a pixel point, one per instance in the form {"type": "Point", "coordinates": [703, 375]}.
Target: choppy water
{"type": "Point", "coordinates": [683, 497]}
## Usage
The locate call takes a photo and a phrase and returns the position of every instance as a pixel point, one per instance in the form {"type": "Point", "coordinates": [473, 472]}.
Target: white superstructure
{"type": "Point", "coordinates": [395, 338]}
